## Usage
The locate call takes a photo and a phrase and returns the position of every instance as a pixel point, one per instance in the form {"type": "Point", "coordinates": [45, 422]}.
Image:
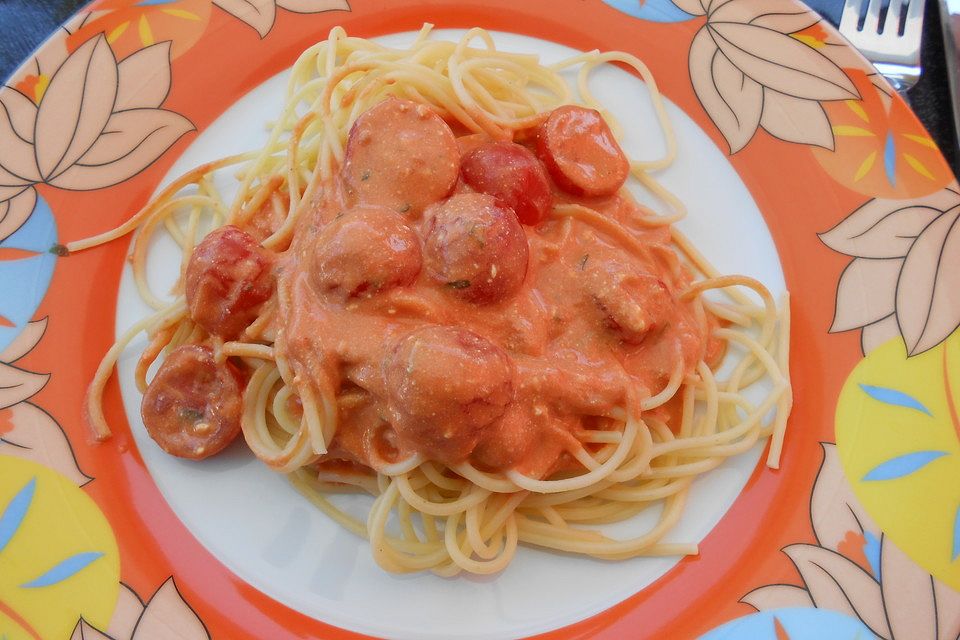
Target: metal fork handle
{"type": "Point", "coordinates": [903, 78]}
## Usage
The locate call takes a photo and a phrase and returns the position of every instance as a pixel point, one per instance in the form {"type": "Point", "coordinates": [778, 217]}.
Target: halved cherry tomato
{"type": "Point", "coordinates": [228, 278]}
{"type": "Point", "coordinates": [511, 174]}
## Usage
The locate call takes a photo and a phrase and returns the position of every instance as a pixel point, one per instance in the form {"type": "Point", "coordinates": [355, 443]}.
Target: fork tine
{"type": "Point", "coordinates": [872, 22]}
{"type": "Point", "coordinates": [915, 10]}
{"type": "Point", "coordinates": [851, 15]}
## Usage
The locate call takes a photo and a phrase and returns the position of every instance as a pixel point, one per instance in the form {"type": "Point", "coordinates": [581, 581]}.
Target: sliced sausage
{"type": "Point", "coordinates": [193, 405]}
{"type": "Point", "coordinates": [228, 278]}
{"type": "Point", "coordinates": [633, 303]}
{"type": "Point", "coordinates": [475, 248]}
{"type": "Point", "coordinates": [580, 152]}
{"type": "Point", "coordinates": [511, 174]}
{"type": "Point", "coordinates": [400, 155]}
{"type": "Point", "coordinates": [443, 386]}
{"type": "Point", "coordinates": [365, 251]}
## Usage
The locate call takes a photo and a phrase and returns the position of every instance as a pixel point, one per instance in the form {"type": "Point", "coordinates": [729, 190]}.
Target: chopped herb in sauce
{"type": "Point", "coordinates": [477, 235]}
{"type": "Point", "coordinates": [583, 261]}
{"type": "Point", "coordinates": [365, 175]}
{"type": "Point", "coordinates": [459, 284]}
{"type": "Point", "coordinates": [188, 414]}
{"type": "Point", "coordinates": [404, 208]}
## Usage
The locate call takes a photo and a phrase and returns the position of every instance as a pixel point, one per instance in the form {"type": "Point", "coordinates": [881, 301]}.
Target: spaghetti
{"type": "Point", "coordinates": [551, 392]}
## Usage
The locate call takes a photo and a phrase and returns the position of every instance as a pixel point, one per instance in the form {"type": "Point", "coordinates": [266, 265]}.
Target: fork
{"type": "Point", "coordinates": [890, 41]}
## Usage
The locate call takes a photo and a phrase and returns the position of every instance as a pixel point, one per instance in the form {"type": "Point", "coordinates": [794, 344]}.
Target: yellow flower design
{"type": "Point", "coordinates": [898, 433]}
{"type": "Point", "coordinates": [58, 557]}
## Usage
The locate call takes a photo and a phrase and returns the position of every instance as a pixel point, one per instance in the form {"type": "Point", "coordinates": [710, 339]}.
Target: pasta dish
{"type": "Point", "coordinates": [434, 287]}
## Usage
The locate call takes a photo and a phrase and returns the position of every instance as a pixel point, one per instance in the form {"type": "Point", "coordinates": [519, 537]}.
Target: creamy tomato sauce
{"type": "Point", "coordinates": [450, 329]}
{"type": "Point", "coordinates": [450, 295]}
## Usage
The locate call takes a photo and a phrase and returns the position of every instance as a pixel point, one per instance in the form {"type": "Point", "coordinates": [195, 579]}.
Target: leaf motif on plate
{"type": "Point", "coordinates": [64, 570]}
{"type": "Point", "coordinates": [928, 307]}
{"type": "Point", "coordinates": [18, 115]}
{"type": "Point", "coordinates": [902, 466]}
{"type": "Point", "coordinates": [748, 71]}
{"type": "Point", "coordinates": [131, 141]}
{"type": "Point", "coordinates": [15, 511]}
{"type": "Point", "coordinates": [735, 105]}
{"type": "Point", "coordinates": [313, 6]}
{"type": "Point", "coordinates": [867, 293]}
{"type": "Point", "coordinates": [17, 385]}
{"type": "Point", "coordinates": [874, 335]}
{"type": "Point", "coordinates": [888, 228]}
{"type": "Point", "coordinates": [693, 7]}
{"type": "Point", "coordinates": [796, 120]}
{"type": "Point", "coordinates": [168, 617]}
{"type": "Point", "coordinates": [51, 55]}
{"type": "Point", "coordinates": [98, 122]}
{"type": "Point", "coordinates": [908, 594]}
{"type": "Point", "coordinates": [948, 611]}
{"type": "Point", "coordinates": [20, 112]}
{"type": "Point", "coordinates": [894, 398]}
{"type": "Point", "coordinates": [839, 522]}
{"type": "Point", "coordinates": [837, 583]}
{"type": "Point", "coordinates": [144, 78]}
{"type": "Point", "coordinates": [75, 107]}
{"type": "Point", "coordinates": [259, 14]}
{"type": "Point", "coordinates": [83, 631]}
{"type": "Point", "coordinates": [125, 615]}
{"type": "Point", "coordinates": [785, 16]}
{"type": "Point", "coordinates": [778, 596]}
{"type": "Point", "coordinates": [28, 432]}
{"type": "Point", "coordinates": [25, 342]}
{"type": "Point", "coordinates": [14, 212]}
{"type": "Point", "coordinates": [782, 63]}
{"type": "Point", "coordinates": [922, 236]}
{"type": "Point", "coordinates": [886, 590]}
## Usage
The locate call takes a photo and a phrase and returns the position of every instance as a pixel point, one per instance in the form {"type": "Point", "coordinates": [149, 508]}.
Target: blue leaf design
{"type": "Point", "coordinates": [890, 160]}
{"type": "Point", "coordinates": [871, 549]}
{"type": "Point", "coordinates": [956, 535]}
{"type": "Point", "coordinates": [894, 397]}
{"type": "Point", "coordinates": [64, 570]}
{"type": "Point", "coordinates": [15, 512]}
{"type": "Point", "coordinates": [24, 282]}
{"type": "Point", "coordinates": [902, 465]}
{"type": "Point", "coordinates": [652, 10]}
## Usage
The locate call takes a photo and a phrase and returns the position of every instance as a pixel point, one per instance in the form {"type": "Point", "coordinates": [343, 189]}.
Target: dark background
{"type": "Point", "coordinates": [26, 23]}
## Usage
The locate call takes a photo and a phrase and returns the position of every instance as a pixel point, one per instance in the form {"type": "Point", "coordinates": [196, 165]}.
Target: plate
{"type": "Point", "coordinates": [800, 167]}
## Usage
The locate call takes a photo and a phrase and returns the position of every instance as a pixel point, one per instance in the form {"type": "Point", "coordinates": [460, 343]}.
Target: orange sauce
{"type": "Point", "coordinates": [570, 332]}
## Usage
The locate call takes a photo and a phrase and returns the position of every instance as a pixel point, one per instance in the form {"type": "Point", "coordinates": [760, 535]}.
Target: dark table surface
{"type": "Point", "coordinates": [28, 22]}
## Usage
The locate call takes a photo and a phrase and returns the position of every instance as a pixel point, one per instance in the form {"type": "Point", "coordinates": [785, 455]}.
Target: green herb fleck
{"type": "Point", "coordinates": [404, 208]}
{"type": "Point", "coordinates": [583, 261]}
{"type": "Point", "coordinates": [190, 415]}
{"type": "Point", "coordinates": [476, 235]}
{"type": "Point", "coordinates": [459, 284]}
{"type": "Point", "coordinates": [365, 175]}
{"type": "Point", "coordinates": [339, 215]}
{"type": "Point", "coordinates": [60, 250]}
